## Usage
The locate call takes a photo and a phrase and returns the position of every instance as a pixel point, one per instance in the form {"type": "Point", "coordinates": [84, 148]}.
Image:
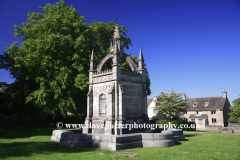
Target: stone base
{"type": "Point", "coordinates": [70, 138]}
{"type": "Point", "coordinates": [177, 134]}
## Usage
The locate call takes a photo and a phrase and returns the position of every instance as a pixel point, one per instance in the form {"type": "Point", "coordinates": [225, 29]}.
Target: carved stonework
{"type": "Point", "coordinates": [102, 79]}
{"type": "Point", "coordinates": [106, 89]}
{"type": "Point", "coordinates": [95, 94]}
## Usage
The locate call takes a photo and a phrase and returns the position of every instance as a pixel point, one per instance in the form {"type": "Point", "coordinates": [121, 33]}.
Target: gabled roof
{"type": "Point", "coordinates": [214, 103]}
{"type": "Point", "coordinates": [149, 100]}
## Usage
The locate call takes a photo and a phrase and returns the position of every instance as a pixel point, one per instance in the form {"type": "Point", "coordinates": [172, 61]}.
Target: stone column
{"type": "Point", "coordinates": [116, 109]}
{"type": "Point", "coordinates": [109, 119]}
{"type": "Point", "coordinates": [88, 119]}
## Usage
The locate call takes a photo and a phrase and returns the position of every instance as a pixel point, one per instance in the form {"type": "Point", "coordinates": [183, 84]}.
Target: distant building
{"type": "Point", "coordinates": [206, 111]}
{"type": "Point", "coordinates": [153, 113]}
{"type": "Point", "coordinates": [212, 111]}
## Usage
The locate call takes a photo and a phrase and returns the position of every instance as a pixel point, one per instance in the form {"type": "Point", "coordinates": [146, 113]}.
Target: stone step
{"type": "Point", "coordinates": [159, 143]}
{"type": "Point", "coordinates": [179, 138]}
{"type": "Point", "coordinates": [157, 136]}
{"type": "Point", "coordinates": [136, 144]}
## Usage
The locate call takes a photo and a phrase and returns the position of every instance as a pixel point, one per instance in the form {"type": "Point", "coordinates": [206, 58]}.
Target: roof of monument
{"type": "Point", "coordinates": [116, 32]}
{"type": "Point", "coordinates": [205, 103]}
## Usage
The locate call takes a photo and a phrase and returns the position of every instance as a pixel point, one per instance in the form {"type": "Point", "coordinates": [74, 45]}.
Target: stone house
{"type": "Point", "coordinates": [207, 111]}
{"type": "Point", "coordinates": [153, 114]}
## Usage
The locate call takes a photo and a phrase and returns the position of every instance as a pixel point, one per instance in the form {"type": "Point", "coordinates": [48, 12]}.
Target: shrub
{"type": "Point", "coordinates": [69, 119]}
{"type": "Point", "coordinates": [232, 121]}
{"type": "Point", "coordinates": [162, 122]}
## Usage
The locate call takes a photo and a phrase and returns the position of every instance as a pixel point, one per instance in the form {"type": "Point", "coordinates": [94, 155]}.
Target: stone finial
{"type": "Point", "coordinates": [93, 55]}
{"type": "Point", "coordinates": [183, 96]}
{"type": "Point", "coordinates": [92, 61]}
{"type": "Point", "coordinates": [224, 93]}
{"type": "Point", "coordinates": [140, 55]}
{"type": "Point", "coordinates": [116, 33]}
{"type": "Point", "coordinates": [140, 61]}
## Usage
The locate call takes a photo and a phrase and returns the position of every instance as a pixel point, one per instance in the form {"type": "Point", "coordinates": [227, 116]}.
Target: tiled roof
{"type": "Point", "coordinates": [213, 103]}
{"type": "Point", "coordinates": [202, 116]}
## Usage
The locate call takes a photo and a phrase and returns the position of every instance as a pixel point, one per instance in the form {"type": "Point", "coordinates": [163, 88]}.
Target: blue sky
{"type": "Point", "coordinates": [192, 46]}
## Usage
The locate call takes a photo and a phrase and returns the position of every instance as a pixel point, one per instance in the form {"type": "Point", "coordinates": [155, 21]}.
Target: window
{"type": "Point", "coordinates": [213, 112]}
{"type": "Point", "coordinates": [102, 105]}
{"type": "Point", "coordinates": [185, 119]}
{"type": "Point", "coordinates": [214, 120]}
{"type": "Point", "coordinates": [195, 104]}
{"type": "Point", "coordinates": [206, 104]}
{"type": "Point", "coordinates": [185, 113]}
{"type": "Point", "coordinates": [155, 111]}
{"type": "Point", "coordinates": [192, 120]}
{"type": "Point", "coordinates": [198, 112]}
{"type": "Point", "coordinates": [200, 121]}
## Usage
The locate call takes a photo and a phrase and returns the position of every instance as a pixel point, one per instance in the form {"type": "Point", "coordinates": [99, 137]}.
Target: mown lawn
{"type": "Point", "coordinates": [33, 142]}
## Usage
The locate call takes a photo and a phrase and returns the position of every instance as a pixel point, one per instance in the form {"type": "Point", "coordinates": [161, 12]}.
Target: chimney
{"type": "Point", "coordinates": [224, 93]}
{"type": "Point", "coordinates": [184, 96]}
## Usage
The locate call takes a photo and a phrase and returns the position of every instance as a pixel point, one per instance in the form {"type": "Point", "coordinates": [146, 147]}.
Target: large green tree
{"type": "Point", "coordinates": [170, 103]}
{"type": "Point", "coordinates": [235, 111]}
{"type": "Point", "coordinates": [51, 64]}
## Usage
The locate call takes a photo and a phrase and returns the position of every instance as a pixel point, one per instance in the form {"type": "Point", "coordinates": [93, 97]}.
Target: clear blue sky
{"type": "Point", "coordinates": [192, 46]}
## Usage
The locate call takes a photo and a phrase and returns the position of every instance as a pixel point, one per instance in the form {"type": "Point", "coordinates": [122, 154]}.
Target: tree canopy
{"type": "Point", "coordinates": [170, 103]}
{"type": "Point", "coordinates": [51, 64]}
{"type": "Point", "coordinates": [235, 111]}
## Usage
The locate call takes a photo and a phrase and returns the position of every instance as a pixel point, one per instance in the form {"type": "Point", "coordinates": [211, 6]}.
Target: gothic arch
{"type": "Point", "coordinates": [102, 105]}
{"type": "Point", "coordinates": [103, 61]}
{"type": "Point", "coordinates": [132, 65]}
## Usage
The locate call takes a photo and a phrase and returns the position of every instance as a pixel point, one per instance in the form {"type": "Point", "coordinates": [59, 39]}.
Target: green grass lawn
{"type": "Point", "coordinates": [29, 142]}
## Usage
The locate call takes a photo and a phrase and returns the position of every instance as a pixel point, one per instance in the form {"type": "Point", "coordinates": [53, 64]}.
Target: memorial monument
{"type": "Point", "coordinates": [116, 96]}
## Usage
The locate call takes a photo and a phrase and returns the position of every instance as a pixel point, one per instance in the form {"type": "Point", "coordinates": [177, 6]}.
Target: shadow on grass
{"type": "Point", "coordinates": [25, 149]}
{"type": "Point", "coordinates": [11, 132]}
{"type": "Point", "coordinates": [177, 143]}
{"type": "Point", "coordinates": [190, 135]}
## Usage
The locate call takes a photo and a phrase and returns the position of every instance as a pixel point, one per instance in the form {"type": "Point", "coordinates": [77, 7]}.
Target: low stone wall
{"type": "Point", "coordinates": [233, 125]}
{"type": "Point", "coordinates": [225, 130]}
{"type": "Point", "coordinates": [236, 129]}
{"type": "Point", "coordinates": [70, 138]}
{"type": "Point", "coordinates": [233, 129]}
{"type": "Point", "coordinates": [212, 128]}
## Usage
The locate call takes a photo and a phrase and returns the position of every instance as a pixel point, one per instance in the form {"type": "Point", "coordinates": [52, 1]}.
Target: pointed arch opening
{"type": "Point", "coordinates": [124, 58]}
{"type": "Point", "coordinates": [102, 105]}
